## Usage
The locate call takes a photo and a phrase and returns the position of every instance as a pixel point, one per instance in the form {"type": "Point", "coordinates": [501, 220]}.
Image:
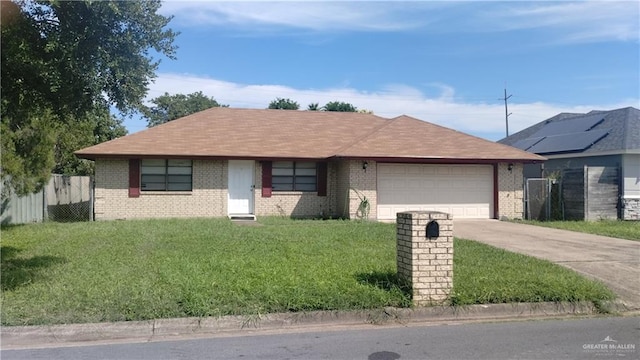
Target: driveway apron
{"type": "Point", "coordinates": [614, 262]}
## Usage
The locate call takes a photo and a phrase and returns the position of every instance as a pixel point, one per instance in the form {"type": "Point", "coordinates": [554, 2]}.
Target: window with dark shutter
{"type": "Point", "coordinates": [294, 176]}
{"type": "Point", "coordinates": [166, 175]}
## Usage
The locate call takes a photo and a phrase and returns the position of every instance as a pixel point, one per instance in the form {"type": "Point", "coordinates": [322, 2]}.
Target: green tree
{"type": "Point", "coordinates": [339, 106]}
{"type": "Point", "coordinates": [63, 61]}
{"type": "Point", "coordinates": [27, 150]}
{"type": "Point", "coordinates": [284, 104]}
{"type": "Point", "coordinates": [170, 107]}
{"type": "Point", "coordinates": [313, 107]}
{"type": "Point", "coordinates": [100, 127]}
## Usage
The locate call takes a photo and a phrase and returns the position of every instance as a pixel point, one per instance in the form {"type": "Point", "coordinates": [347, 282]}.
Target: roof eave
{"type": "Point", "coordinates": [443, 160]}
{"type": "Point", "coordinates": [194, 157]}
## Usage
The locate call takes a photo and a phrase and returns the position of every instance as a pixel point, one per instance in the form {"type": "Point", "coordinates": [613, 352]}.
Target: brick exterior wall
{"type": "Point", "coordinates": [346, 179]}
{"type": "Point", "coordinates": [352, 180]}
{"type": "Point", "coordinates": [297, 203]}
{"type": "Point", "coordinates": [207, 199]}
{"type": "Point", "coordinates": [342, 188]}
{"type": "Point", "coordinates": [510, 191]}
{"type": "Point", "coordinates": [425, 264]}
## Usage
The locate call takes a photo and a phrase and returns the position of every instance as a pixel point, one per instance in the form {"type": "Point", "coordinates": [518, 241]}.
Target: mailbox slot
{"type": "Point", "coordinates": [433, 230]}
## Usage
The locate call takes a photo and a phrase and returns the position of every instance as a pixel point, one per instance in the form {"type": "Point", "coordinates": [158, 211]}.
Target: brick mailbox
{"type": "Point", "coordinates": [425, 255]}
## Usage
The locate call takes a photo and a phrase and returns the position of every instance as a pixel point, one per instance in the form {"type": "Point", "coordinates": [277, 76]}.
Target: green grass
{"type": "Point", "coordinates": [485, 274]}
{"type": "Point", "coordinates": [135, 270]}
{"type": "Point", "coordinates": [629, 230]}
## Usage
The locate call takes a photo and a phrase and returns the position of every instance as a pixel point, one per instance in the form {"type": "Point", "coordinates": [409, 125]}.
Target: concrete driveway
{"type": "Point", "coordinates": [615, 262]}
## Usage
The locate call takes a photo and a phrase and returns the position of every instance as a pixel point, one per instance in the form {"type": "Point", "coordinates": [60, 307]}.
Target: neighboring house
{"type": "Point", "coordinates": [245, 163]}
{"type": "Point", "coordinates": [601, 147]}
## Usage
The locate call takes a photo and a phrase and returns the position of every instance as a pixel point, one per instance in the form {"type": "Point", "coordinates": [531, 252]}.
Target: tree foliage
{"type": "Point", "coordinates": [284, 104]}
{"type": "Point", "coordinates": [339, 106]}
{"type": "Point", "coordinates": [170, 107]}
{"type": "Point", "coordinates": [288, 104]}
{"type": "Point", "coordinates": [64, 63]}
{"type": "Point", "coordinates": [100, 127]}
{"type": "Point", "coordinates": [27, 150]}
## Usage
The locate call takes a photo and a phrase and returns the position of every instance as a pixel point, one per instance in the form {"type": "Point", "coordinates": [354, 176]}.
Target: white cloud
{"type": "Point", "coordinates": [255, 16]}
{"type": "Point", "coordinates": [570, 22]}
{"type": "Point", "coordinates": [573, 22]}
{"type": "Point", "coordinates": [480, 119]}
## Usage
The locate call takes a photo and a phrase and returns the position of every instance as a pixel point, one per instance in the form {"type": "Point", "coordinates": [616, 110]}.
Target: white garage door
{"type": "Point", "coordinates": [466, 191]}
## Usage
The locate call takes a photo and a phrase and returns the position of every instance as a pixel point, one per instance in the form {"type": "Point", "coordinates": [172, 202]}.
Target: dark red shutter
{"type": "Point", "coordinates": [322, 178]}
{"type": "Point", "coordinates": [266, 178]}
{"type": "Point", "coordinates": [134, 177]}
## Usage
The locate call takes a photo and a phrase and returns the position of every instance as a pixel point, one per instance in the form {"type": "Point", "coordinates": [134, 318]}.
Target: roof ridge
{"type": "Point", "coordinates": [626, 126]}
{"type": "Point", "coordinates": [364, 136]}
{"type": "Point", "coordinates": [450, 129]}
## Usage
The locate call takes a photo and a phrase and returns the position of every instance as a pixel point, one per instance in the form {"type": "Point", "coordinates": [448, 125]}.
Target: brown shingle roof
{"type": "Point", "coordinates": [252, 133]}
{"type": "Point", "coordinates": [407, 137]}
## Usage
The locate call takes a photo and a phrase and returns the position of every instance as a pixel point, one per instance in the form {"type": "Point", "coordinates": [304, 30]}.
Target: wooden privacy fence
{"type": "Point", "coordinates": [64, 198]}
{"type": "Point", "coordinates": [591, 193]}
{"type": "Point", "coordinates": [587, 193]}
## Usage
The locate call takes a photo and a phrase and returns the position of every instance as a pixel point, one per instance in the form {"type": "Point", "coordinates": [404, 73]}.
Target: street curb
{"type": "Point", "coordinates": [19, 337]}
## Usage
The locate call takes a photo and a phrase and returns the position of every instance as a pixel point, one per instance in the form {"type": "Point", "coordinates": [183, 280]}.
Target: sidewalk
{"type": "Point", "coordinates": [22, 337]}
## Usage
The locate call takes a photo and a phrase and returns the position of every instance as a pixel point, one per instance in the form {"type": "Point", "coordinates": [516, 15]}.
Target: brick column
{"type": "Point", "coordinates": [425, 264]}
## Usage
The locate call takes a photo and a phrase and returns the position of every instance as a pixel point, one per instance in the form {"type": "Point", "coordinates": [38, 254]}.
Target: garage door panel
{"type": "Point", "coordinates": [456, 170]}
{"type": "Point", "coordinates": [386, 212]}
{"type": "Point", "coordinates": [414, 171]}
{"type": "Point", "coordinates": [442, 170]}
{"type": "Point", "coordinates": [428, 170]}
{"type": "Point", "coordinates": [461, 184]}
{"type": "Point", "coordinates": [397, 184]}
{"type": "Point", "coordinates": [471, 211]}
{"type": "Point", "coordinates": [456, 211]}
{"type": "Point", "coordinates": [466, 191]}
{"type": "Point", "coordinates": [427, 184]}
{"type": "Point", "coordinates": [484, 186]}
{"type": "Point", "coordinates": [414, 184]}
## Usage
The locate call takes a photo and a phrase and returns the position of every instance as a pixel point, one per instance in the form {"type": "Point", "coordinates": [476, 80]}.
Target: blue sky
{"type": "Point", "coordinates": [442, 62]}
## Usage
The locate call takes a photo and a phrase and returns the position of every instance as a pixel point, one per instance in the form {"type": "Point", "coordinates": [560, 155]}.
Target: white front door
{"type": "Point", "coordinates": [241, 187]}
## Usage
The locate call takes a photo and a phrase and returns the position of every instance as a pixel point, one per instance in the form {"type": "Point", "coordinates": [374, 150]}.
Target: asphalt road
{"type": "Point", "coordinates": [596, 338]}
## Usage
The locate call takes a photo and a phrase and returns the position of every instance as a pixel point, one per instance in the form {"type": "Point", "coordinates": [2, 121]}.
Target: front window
{"type": "Point", "coordinates": [294, 176]}
{"type": "Point", "coordinates": [166, 175]}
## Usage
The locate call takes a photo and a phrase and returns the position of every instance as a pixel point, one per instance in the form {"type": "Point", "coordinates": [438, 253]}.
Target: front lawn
{"type": "Point", "coordinates": [629, 230]}
{"type": "Point", "coordinates": [135, 270]}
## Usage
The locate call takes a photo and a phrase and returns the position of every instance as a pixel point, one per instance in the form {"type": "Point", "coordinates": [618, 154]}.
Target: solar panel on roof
{"type": "Point", "coordinates": [570, 125]}
{"type": "Point", "coordinates": [525, 144]}
{"type": "Point", "coordinates": [568, 142]}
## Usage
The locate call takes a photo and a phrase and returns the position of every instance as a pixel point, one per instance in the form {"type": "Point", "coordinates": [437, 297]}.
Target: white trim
{"type": "Point", "coordinates": [631, 197]}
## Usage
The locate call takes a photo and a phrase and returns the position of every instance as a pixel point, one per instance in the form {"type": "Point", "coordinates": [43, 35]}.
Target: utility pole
{"type": "Point", "coordinates": [506, 110]}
